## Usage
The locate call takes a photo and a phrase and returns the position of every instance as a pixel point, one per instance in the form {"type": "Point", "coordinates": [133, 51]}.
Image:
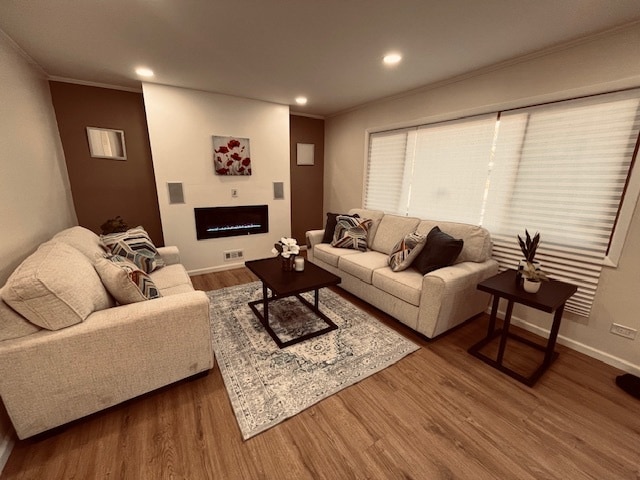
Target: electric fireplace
{"type": "Point", "coordinates": [215, 222]}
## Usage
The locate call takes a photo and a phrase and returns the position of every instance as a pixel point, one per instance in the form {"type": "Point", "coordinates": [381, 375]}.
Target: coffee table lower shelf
{"type": "Point", "coordinates": [264, 319]}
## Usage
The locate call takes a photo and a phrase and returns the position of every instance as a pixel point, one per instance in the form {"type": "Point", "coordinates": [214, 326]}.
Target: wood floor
{"type": "Point", "coordinates": [437, 414]}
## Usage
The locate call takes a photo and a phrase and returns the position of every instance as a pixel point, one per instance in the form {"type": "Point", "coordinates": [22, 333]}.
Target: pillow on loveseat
{"type": "Point", "coordinates": [351, 232]}
{"type": "Point", "coordinates": [406, 250]}
{"type": "Point", "coordinates": [56, 287]}
{"type": "Point", "coordinates": [440, 250]}
{"type": "Point", "coordinates": [330, 226]}
{"type": "Point", "coordinates": [135, 245]}
{"type": "Point", "coordinates": [12, 324]}
{"type": "Point", "coordinates": [125, 281]}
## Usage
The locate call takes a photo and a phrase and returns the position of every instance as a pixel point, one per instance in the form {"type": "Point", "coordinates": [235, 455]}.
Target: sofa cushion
{"type": "Point", "coordinates": [391, 230]}
{"type": "Point", "coordinates": [56, 287]}
{"type": "Point", "coordinates": [330, 226]}
{"type": "Point", "coordinates": [406, 250]}
{"type": "Point", "coordinates": [171, 276]}
{"type": "Point", "coordinates": [477, 240]}
{"type": "Point", "coordinates": [405, 285]}
{"type": "Point", "coordinates": [440, 251]}
{"type": "Point", "coordinates": [351, 232]}
{"type": "Point", "coordinates": [374, 215]}
{"type": "Point", "coordinates": [330, 255]}
{"type": "Point", "coordinates": [363, 265]}
{"type": "Point", "coordinates": [125, 281]}
{"type": "Point", "coordinates": [136, 245]}
{"type": "Point", "coordinates": [14, 325]}
{"type": "Point", "coordinates": [83, 240]}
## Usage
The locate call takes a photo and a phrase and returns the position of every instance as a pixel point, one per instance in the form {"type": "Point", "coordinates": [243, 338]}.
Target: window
{"type": "Point", "coordinates": [560, 169]}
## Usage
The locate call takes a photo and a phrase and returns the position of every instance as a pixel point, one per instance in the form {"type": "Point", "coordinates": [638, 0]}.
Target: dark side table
{"type": "Point", "coordinates": [551, 297]}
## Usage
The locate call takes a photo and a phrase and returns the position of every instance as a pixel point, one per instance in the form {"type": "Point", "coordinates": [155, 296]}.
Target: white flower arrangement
{"type": "Point", "coordinates": [286, 247]}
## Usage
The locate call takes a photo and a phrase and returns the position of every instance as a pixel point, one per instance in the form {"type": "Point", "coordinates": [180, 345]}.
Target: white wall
{"type": "Point", "coordinates": [35, 198]}
{"type": "Point", "coordinates": [606, 62]}
{"type": "Point", "coordinates": [181, 125]}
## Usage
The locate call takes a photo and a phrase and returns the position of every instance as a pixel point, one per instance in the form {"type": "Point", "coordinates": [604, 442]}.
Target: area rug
{"type": "Point", "coordinates": [267, 385]}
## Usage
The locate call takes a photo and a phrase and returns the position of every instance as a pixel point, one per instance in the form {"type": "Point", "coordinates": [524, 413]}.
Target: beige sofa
{"type": "Point", "coordinates": [430, 304]}
{"type": "Point", "coordinates": [53, 375]}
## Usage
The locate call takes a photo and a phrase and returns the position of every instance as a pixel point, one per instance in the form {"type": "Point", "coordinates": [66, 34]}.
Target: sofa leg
{"type": "Point", "coordinates": [198, 375]}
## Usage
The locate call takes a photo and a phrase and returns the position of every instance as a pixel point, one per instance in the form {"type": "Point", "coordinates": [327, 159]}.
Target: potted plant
{"type": "Point", "coordinates": [114, 225]}
{"type": "Point", "coordinates": [532, 276]}
{"type": "Point", "coordinates": [529, 245]}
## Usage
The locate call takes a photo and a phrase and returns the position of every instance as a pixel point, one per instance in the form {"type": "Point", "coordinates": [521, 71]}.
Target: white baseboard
{"type": "Point", "coordinates": [577, 346]}
{"type": "Point", "coordinates": [6, 446]}
{"type": "Point", "coordinates": [222, 268]}
{"type": "Point", "coordinates": [219, 268]}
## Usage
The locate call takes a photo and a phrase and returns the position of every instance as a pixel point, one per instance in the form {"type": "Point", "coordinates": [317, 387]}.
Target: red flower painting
{"type": "Point", "coordinates": [231, 156]}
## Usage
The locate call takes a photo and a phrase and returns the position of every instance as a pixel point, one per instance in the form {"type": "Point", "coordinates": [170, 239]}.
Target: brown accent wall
{"type": "Point", "coordinates": [307, 182]}
{"type": "Point", "coordinates": [103, 188]}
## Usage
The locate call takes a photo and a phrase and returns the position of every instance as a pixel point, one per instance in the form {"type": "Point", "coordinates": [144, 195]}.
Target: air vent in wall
{"type": "Point", "coordinates": [233, 255]}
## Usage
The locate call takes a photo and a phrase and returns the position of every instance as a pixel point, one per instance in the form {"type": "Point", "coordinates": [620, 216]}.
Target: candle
{"type": "Point", "coordinates": [299, 264]}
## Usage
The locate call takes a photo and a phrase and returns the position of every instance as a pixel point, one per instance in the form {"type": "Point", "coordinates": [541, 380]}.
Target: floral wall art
{"type": "Point", "coordinates": [231, 156]}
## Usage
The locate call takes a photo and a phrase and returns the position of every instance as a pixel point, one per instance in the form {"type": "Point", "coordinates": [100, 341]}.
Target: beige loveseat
{"type": "Point", "coordinates": [50, 376]}
{"type": "Point", "coordinates": [430, 304]}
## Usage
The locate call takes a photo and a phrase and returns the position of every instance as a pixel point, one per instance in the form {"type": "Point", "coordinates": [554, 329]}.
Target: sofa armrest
{"type": "Point", "coordinates": [450, 295]}
{"type": "Point", "coordinates": [461, 273]}
{"type": "Point", "coordinates": [314, 237]}
{"type": "Point", "coordinates": [53, 377]}
{"type": "Point", "coordinates": [170, 255]}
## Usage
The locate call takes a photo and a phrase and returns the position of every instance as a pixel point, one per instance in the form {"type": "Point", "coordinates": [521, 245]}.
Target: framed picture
{"type": "Point", "coordinates": [231, 156]}
{"type": "Point", "coordinates": [305, 154]}
{"type": "Point", "coordinates": [106, 143]}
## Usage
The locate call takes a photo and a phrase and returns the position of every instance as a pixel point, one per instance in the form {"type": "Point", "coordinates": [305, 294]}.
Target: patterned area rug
{"type": "Point", "coordinates": [267, 385]}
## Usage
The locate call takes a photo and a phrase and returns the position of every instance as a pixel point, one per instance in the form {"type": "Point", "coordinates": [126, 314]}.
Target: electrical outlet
{"type": "Point", "coordinates": [234, 192]}
{"type": "Point", "coordinates": [626, 332]}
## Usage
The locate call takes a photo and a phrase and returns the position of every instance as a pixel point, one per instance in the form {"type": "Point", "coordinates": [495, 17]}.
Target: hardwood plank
{"type": "Point", "coordinates": [438, 413]}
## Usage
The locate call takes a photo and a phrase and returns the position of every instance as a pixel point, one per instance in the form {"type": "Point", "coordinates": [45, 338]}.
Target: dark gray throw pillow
{"type": "Point", "coordinates": [330, 227]}
{"type": "Point", "coordinates": [440, 250]}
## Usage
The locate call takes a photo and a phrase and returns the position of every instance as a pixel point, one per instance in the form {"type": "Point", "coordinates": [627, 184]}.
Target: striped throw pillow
{"type": "Point", "coordinates": [351, 233]}
{"type": "Point", "coordinates": [406, 250]}
{"type": "Point", "coordinates": [135, 245]}
{"type": "Point", "coordinates": [125, 281]}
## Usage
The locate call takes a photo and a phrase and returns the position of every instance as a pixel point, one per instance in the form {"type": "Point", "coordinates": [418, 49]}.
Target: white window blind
{"type": "Point", "coordinates": [561, 169]}
{"type": "Point", "coordinates": [386, 176]}
{"type": "Point", "coordinates": [450, 169]}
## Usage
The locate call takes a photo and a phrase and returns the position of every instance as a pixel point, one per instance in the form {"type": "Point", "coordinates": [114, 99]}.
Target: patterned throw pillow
{"type": "Point", "coordinates": [135, 245]}
{"type": "Point", "coordinates": [351, 233]}
{"type": "Point", "coordinates": [406, 250]}
{"type": "Point", "coordinates": [125, 281]}
{"type": "Point", "coordinates": [330, 226]}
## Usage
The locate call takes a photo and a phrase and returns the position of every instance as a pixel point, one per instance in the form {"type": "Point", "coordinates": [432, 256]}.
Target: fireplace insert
{"type": "Point", "coordinates": [215, 222]}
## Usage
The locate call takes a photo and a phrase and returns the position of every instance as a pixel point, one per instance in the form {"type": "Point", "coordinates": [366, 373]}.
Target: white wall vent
{"type": "Point", "coordinates": [230, 255]}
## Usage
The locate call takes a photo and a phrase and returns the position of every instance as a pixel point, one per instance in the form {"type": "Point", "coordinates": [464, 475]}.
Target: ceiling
{"type": "Point", "coordinates": [275, 50]}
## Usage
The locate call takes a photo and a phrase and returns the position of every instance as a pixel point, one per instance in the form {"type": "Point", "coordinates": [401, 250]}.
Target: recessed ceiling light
{"type": "Point", "coordinates": [301, 100]}
{"type": "Point", "coordinates": [144, 72]}
{"type": "Point", "coordinates": [392, 58]}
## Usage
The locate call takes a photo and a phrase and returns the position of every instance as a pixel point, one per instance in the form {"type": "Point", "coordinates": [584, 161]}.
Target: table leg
{"type": "Point", "coordinates": [265, 304]}
{"type": "Point", "coordinates": [492, 318]}
{"type": "Point", "coordinates": [315, 300]}
{"type": "Point", "coordinates": [505, 331]}
{"type": "Point", "coordinates": [553, 335]}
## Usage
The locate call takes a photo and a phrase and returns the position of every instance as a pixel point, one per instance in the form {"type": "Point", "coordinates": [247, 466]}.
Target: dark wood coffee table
{"type": "Point", "coordinates": [286, 284]}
